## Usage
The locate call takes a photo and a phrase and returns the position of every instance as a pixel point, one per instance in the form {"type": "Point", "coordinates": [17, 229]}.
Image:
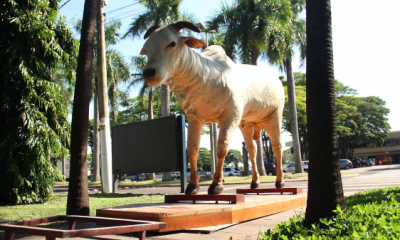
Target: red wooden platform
{"type": "Point", "coordinates": [269, 190]}
{"type": "Point", "coordinates": [119, 226]}
{"type": "Point", "coordinates": [231, 198]}
{"type": "Point", "coordinates": [180, 216]}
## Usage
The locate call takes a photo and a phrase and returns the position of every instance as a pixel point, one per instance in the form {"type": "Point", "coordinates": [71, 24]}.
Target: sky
{"type": "Point", "coordinates": [366, 46]}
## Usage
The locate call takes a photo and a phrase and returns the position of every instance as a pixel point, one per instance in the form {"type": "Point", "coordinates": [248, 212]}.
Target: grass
{"type": "Point", "coordinates": [230, 180]}
{"type": "Point", "coordinates": [372, 214]}
{"type": "Point", "coordinates": [58, 206]}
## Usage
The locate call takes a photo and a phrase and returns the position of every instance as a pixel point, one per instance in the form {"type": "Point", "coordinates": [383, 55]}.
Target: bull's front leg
{"type": "Point", "coordinates": [194, 134]}
{"type": "Point", "coordinates": [224, 139]}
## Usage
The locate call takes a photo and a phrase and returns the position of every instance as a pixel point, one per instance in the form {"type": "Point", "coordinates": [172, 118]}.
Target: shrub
{"type": "Point", "coordinates": [373, 214]}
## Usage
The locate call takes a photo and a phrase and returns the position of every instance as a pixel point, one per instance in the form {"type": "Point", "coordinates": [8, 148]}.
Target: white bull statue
{"type": "Point", "coordinates": [211, 88]}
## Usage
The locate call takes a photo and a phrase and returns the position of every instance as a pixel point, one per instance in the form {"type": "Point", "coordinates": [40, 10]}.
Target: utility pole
{"type": "Point", "coordinates": [104, 126]}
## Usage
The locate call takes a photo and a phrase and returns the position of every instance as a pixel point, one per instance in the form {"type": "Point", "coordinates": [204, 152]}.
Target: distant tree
{"type": "Point", "coordinates": [361, 120]}
{"type": "Point", "coordinates": [295, 34]}
{"type": "Point", "coordinates": [300, 93]}
{"type": "Point", "coordinates": [234, 156]}
{"type": "Point", "coordinates": [204, 159]}
{"type": "Point", "coordinates": [35, 42]}
{"type": "Point", "coordinates": [138, 63]}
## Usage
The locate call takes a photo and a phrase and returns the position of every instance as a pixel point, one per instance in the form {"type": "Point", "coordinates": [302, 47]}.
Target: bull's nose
{"type": "Point", "coordinates": [150, 72]}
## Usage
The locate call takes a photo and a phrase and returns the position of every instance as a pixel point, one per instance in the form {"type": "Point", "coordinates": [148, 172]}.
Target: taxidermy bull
{"type": "Point", "coordinates": [211, 88]}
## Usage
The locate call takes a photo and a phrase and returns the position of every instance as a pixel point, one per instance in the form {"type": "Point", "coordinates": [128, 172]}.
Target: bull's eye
{"type": "Point", "coordinates": [171, 45]}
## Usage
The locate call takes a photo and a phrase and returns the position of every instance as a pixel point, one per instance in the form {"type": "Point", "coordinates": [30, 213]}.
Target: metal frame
{"type": "Point", "coordinates": [231, 198]}
{"type": "Point", "coordinates": [113, 226]}
{"type": "Point", "coordinates": [270, 190]}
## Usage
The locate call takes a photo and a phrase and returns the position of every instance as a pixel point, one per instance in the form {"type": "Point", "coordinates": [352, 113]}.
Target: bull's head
{"type": "Point", "coordinates": [164, 50]}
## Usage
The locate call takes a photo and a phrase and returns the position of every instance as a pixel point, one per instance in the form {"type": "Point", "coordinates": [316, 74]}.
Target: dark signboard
{"type": "Point", "coordinates": [150, 146]}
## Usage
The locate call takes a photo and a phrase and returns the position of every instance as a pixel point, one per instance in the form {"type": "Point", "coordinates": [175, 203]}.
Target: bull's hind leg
{"type": "Point", "coordinates": [226, 130]}
{"type": "Point", "coordinates": [273, 128]}
{"type": "Point", "coordinates": [248, 132]}
{"type": "Point", "coordinates": [193, 144]}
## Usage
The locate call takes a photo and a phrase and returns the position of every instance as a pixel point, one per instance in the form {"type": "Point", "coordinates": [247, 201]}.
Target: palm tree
{"type": "Point", "coordinates": [138, 64]}
{"type": "Point", "coordinates": [78, 197]}
{"type": "Point", "coordinates": [294, 35]}
{"type": "Point", "coordinates": [117, 72]}
{"type": "Point", "coordinates": [252, 28]}
{"type": "Point", "coordinates": [325, 189]}
{"type": "Point", "coordinates": [160, 13]}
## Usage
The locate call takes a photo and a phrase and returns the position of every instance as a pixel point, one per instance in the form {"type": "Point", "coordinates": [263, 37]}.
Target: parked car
{"type": "Point", "coordinates": [364, 163]}
{"type": "Point", "coordinates": [356, 163]}
{"type": "Point", "coordinates": [371, 162]}
{"type": "Point", "coordinates": [345, 164]}
{"type": "Point", "coordinates": [231, 171]}
{"type": "Point", "coordinates": [292, 167]}
{"type": "Point", "coordinates": [270, 169]}
{"type": "Point", "coordinates": [134, 177]}
{"type": "Point", "coordinates": [199, 172]}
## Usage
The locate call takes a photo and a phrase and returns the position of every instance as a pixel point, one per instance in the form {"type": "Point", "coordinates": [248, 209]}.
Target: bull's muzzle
{"type": "Point", "coordinates": [149, 73]}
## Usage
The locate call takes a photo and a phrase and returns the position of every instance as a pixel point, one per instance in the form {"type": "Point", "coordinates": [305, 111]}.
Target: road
{"type": "Point", "coordinates": [368, 178]}
{"type": "Point", "coordinates": [365, 178]}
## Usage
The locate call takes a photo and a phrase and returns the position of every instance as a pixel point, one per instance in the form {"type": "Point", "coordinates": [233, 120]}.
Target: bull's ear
{"type": "Point", "coordinates": [193, 42]}
{"type": "Point", "coordinates": [142, 52]}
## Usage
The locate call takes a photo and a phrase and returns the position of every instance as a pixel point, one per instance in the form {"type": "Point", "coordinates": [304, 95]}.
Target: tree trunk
{"type": "Point", "coordinates": [293, 116]}
{"type": "Point", "coordinates": [150, 113]}
{"type": "Point", "coordinates": [165, 111]}
{"type": "Point", "coordinates": [260, 158]}
{"type": "Point", "coordinates": [165, 108]}
{"type": "Point", "coordinates": [63, 162]}
{"type": "Point", "coordinates": [78, 197]}
{"type": "Point", "coordinates": [245, 160]}
{"type": "Point", "coordinates": [95, 150]}
{"type": "Point", "coordinates": [325, 189]}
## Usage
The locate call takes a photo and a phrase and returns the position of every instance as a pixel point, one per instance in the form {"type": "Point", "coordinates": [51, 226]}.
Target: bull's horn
{"type": "Point", "coordinates": [180, 25]}
{"type": "Point", "coordinates": [150, 31]}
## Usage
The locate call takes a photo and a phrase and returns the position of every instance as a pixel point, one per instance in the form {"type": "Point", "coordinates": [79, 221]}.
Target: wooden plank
{"type": "Point", "coordinates": [245, 214]}
{"type": "Point", "coordinates": [270, 190]}
{"type": "Point", "coordinates": [180, 216]}
{"type": "Point", "coordinates": [232, 198]}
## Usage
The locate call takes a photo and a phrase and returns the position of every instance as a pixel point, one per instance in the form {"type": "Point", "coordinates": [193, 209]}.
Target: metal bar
{"type": "Point", "coordinates": [270, 190]}
{"type": "Point", "coordinates": [72, 224]}
{"type": "Point", "coordinates": [236, 198]}
{"type": "Point", "coordinates": [9, 235]}
{"type": "Point", "coordinates": [142, 235]}
{"type": "Point", "coordinates": [128, 226]}
{"type": "Point", "coordinates": [36, 221]}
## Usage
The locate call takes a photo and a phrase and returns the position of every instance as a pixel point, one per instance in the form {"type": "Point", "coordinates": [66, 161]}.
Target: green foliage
{"type": "Point", "coordinates": [253, 27]}
{"type": "Point", "coordinates": [204, 159]}
{"type": "Point", "coordinates": [159, 13]}
{"type": "Point", "coordinates": [361, 120]}
{"type": "Point", "coordinates": [234, 156]}
{"type": "Point", "coordinates": [373, 214]}
{"type": "Point", "coordinates": [34, 44]}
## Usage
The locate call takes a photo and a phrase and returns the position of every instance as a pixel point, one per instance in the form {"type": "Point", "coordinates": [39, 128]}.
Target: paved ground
{"type": "Point", "coordinates": [368, 178]}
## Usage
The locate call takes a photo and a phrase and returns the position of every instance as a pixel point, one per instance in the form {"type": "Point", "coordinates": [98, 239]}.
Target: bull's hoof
{"type": "Point", "coordinates": [192, 189]}
{"type": "Point", "coordinates": [279, 184]}
{"type": "Point", "coordinates": [254, 184]}
{"type": "Point", "coordinates": [215, 189]}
